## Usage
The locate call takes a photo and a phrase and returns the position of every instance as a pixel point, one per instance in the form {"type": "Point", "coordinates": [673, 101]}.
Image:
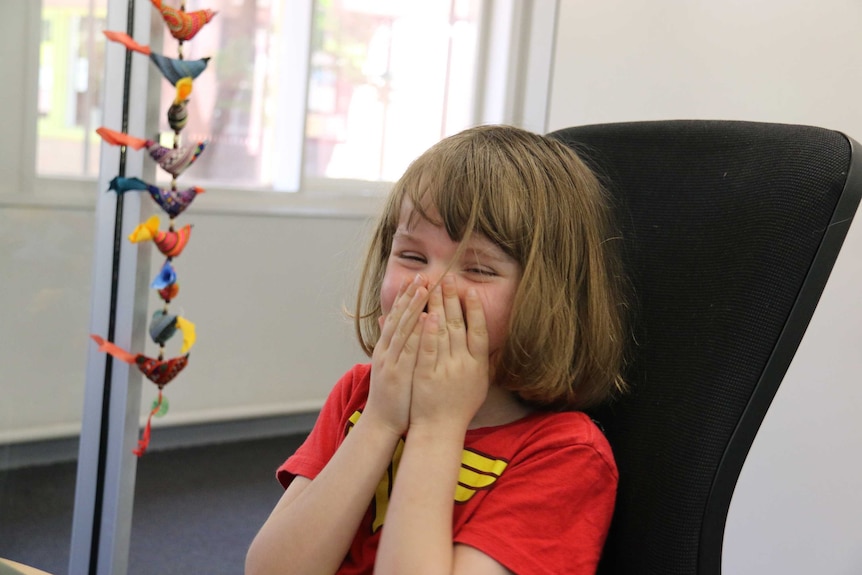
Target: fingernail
{"type": "Point", "coordinates": [448, 279]}
{"type": "Point", "coordinates": [417, 280]}
{"type": "Point", "coordinates": [472, 292]}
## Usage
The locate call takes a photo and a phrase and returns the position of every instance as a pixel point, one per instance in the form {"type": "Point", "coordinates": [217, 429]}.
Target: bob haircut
{"type": "Point", "coordinates": [533, 197]}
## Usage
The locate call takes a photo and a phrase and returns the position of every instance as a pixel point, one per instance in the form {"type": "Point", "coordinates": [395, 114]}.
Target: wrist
{"type": "Point", "coordinates": [442, 431]}
{"type": "Point", "coordinates": [379, 427]}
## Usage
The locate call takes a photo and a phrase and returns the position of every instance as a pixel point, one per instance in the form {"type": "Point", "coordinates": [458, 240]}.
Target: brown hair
{"type": "Point", "coordinates": [534, 197]}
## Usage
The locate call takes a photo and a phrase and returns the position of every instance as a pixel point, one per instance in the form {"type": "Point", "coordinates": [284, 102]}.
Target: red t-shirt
{"type": "Point", "coordinates": [536, 495]}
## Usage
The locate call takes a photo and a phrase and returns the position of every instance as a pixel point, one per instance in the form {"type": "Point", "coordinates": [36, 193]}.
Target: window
{"type": "Point", "coordinates": [71, 63]}
{"type": "Point", "coordinates": [304, 95]}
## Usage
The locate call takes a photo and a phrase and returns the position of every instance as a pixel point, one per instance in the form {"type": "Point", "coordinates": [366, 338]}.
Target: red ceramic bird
{"type": "Point", "coordinates": [183, 25]}
{"type": "Point", "coordinates": [159, 371]}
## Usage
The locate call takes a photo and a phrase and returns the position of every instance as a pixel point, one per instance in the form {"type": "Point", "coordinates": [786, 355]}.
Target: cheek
{"type": "Point", "coordinates": [498, 307]}
{"type": "Point", "coordinates": [389, 289]}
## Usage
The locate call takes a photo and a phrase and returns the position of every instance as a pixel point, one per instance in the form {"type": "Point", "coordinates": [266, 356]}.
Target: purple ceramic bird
{"type": "Point", "coordinates": [173, 202]}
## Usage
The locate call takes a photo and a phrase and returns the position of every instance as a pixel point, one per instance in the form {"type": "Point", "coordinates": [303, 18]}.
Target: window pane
{"type": "Point", "coordinates": [387, 80]}
{"type": "Point", "coordinates": [71, 63]}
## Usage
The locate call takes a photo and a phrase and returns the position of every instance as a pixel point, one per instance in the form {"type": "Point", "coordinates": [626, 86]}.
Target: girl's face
{"type": "Point", "coordinates": [427, 249]}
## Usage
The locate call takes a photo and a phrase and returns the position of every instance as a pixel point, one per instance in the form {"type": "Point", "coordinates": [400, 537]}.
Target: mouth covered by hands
{"type": "Point", "coordinates": [450, 381]}
{"type": "Point", "coordinates": [430, 367]}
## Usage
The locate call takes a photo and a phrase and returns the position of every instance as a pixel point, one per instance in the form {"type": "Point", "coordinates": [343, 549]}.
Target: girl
{"type": "Point", "coordinates": [489, 306]}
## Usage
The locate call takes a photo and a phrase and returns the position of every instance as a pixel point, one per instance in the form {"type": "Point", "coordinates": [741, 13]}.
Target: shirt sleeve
{"type": "Point", "coordinates": [549, 513]}
{"type": "Point", "coordinates": [328, 432]}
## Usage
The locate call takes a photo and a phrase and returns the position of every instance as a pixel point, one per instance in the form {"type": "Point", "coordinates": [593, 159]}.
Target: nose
{"type": "Point", "coordinates": [436, 277]}
{"type": "Point", "coordinates": [460, 286]}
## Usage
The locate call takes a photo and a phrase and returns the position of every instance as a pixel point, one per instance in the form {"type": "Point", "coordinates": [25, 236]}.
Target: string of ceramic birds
{"type": "Point", "coordinates": [174, 160]}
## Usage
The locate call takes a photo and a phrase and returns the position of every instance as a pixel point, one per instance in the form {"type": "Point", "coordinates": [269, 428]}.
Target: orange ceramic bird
{"type": "Point", "coordinates": [170, 243]}
{"type": "Point", "coordinates": [183, 25]}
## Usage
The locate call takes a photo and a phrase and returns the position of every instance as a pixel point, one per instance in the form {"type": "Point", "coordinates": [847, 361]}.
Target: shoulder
{"type": "Point", "coordinates": [568, 437]}
{"type": "Point", "coordinates": [358, 375]}
{"type": "Point", "coordinates": [566, 427]}
{"type": "Point", "coordinates": [355, 381]}
{"type": "Point", "coordinates": [573, 431]}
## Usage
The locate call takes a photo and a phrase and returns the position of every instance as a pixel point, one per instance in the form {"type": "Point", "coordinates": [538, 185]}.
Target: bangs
{"type": "Point", "coordinates": [466, 187]}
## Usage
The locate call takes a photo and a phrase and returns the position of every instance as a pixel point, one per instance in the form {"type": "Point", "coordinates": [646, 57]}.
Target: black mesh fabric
{"type": "Point", "coordinates": [720, 223]}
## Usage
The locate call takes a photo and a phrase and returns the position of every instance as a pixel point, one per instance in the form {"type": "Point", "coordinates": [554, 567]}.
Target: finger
{"type": "Point", "coordinates": [385, 320]}
{"type": "Point", "coordinates": [477, 329]}
{"type": "Point", "coordinates": [428, 350]}
{"type": "Point", "coordinates": [410, 349]}
{"type": "Point", "coordinates": [435, 306]}
{"type": "Point", "coordinates": [408, 321]}
{"type": "Point", "coordinates": [454, 317]}
{"type": "Point", "coordinates": [399, 306]}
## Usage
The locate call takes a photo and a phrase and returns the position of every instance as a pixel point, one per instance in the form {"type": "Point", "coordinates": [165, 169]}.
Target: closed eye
{"type": "Point", "coordinates": [482, 272]}
{"type": "Point", "coordinates": [411, 256]}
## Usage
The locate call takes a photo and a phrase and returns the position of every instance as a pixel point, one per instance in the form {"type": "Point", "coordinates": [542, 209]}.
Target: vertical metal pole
{"type": "Point", "coordinates": [104, 490]}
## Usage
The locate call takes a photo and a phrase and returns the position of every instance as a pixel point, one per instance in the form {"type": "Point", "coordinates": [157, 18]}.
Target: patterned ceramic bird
{"type": "Point", "coordinates": [172, 69]}
{"type": "Point", "coordinates": [183, 25]}
{"type": "Point", "coordinates": [159, 371]}
{"type": "Point", "coordinates": [173, 202]}
{"type": "Point", "coordinates": [172, 160]}
{"type": "Point", "coordinates": [170, 243]}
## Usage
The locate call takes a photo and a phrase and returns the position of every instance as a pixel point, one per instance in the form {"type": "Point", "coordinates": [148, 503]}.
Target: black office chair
{"type": "Point", "coordinates": [730, 231]}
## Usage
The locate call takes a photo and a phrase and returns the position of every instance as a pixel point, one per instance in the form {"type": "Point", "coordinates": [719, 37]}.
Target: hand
{"type": "Point", "coordinates": [394, 358]}
{"type": "Point", "coordinates": [451, 379]}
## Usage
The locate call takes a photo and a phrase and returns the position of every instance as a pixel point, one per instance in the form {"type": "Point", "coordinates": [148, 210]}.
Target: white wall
{"type": "Point", "coordinates": [265, 292]}
{"type": "Point", "coordinates": [792, 61]}
{"type": "Point", "coordinates": [797, 508]}
{"type": "Point", "coordinates": [45, 259]}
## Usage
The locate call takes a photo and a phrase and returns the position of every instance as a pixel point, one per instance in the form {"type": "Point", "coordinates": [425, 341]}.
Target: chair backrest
{"type": "Point", "coordinates": [729, 230]}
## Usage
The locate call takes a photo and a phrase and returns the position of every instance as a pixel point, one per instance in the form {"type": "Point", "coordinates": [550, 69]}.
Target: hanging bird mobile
{"type": "Point", "coordinates": [172, 200]}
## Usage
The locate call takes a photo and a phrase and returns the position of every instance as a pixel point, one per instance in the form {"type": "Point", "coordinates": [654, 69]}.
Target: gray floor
{"type": "Point", "coordinates": [196, 509]}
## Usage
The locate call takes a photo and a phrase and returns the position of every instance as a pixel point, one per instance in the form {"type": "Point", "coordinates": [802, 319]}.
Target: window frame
{"type": "Point", "coordinates": [516, 61]}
